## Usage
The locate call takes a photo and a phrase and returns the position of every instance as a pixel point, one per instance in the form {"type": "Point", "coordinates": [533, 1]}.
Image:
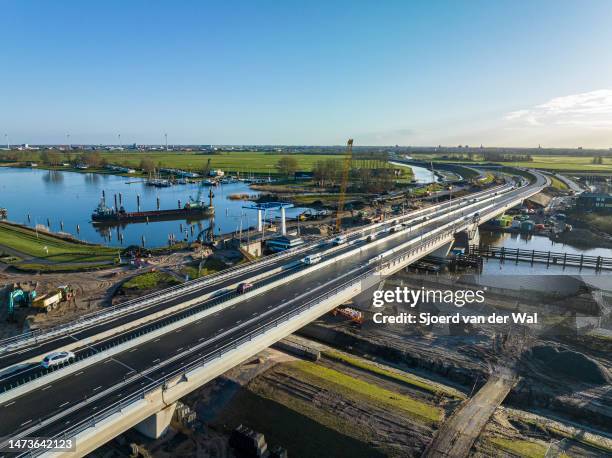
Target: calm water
{"type": "Point", "coordinates": [421, 174]}
{"type": "Point", "coordinates": [70, 198]}
{"type": "Point", "coordinates": [508, 240]}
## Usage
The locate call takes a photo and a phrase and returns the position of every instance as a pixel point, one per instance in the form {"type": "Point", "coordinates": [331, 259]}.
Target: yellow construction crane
{"type": "Point", "coordinates": [346, 167]}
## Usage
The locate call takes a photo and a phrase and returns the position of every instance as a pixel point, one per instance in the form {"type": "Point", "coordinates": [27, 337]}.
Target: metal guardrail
{"type": "Point", "coordinates": [198, 307]}
{"type": "Point", "coordinates": [441, 233]}
{"type": "Point", "coordinates": [169, 293]}
{"type": "Point", "coordinates": [92, 420]}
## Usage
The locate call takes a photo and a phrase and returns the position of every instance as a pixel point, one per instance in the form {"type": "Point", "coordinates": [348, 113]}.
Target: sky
{"type": "Point", "coordinates": [497, 73]}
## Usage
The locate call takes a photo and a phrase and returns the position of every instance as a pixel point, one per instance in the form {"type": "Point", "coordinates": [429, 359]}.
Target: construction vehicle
{"type": "Point", "coordinates": [346, 167]}
{"type": "Point", "coordinates": [48, 302]}
{"type": "Point", "coordinates": [18, 297]}
{"type": "Point", "coordinates": [354, 315]}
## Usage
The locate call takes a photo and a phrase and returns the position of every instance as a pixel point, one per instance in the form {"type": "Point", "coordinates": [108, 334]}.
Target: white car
{"type": "Point", "coordinates": [340, 240]}
{"type": "Point", "coordinates": [311, 259]}
{"type": "Point", "coordinates": [57, 358]}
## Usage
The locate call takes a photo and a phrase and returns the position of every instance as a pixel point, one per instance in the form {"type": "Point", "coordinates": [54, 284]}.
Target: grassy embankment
{"type": "Point", "coordinates": [360, 390]}
{"type": "Point", "coordinates": [325, 431]}
{"type": "Point", "coordinates": [407, 379]}
{"type": "Point", "coordinates": [522, 448]}
{"type": "Point", "coordinates": [557, 184]}
{"type": "Point", "coordinates": [600, 221]}
{"type": "Point", "coordinates": [45, 252]}
{"type": "Point", "coordinates": [149, 280]}
{"type": "Point", "coordinates": [210, 266]}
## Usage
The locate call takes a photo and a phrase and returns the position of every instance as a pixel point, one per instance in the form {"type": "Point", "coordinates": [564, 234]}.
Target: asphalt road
{"type": "Point", "coordinates": [36, 350]}
{"type": "Point", "coordinates": [150, 361]}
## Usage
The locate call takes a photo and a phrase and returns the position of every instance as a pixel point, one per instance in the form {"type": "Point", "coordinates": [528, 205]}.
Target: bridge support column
{"type": "Point", "coordinates": [283, 222]}
{"type": "Point", "coordinates": [157, 424]}
{"type": "Point", "coordinates": [443, 251]}
{"type": "Point", "coordinates": [259, 225]}
{"type": "Point", "coordinates": [465, 239]}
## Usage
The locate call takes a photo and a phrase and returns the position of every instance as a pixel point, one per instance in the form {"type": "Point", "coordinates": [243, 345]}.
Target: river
{"type": "Point", "coordinates": [70, 197]}
{"type": "Point", "coordinates": [539, 243]}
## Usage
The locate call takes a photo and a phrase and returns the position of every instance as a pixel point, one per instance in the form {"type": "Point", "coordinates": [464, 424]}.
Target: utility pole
{"type": "Point", "coordinates": [8, 144]}
{"type": "Point", "coordinates": [119, 137]}
{"type": "Point", "coordinates": [166, 138]}
{"type": "Point", "coordinates": [68, 141]}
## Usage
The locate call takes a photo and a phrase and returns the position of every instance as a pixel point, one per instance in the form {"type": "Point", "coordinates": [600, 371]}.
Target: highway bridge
{"type": "Point", "coordinates": [134, 361]}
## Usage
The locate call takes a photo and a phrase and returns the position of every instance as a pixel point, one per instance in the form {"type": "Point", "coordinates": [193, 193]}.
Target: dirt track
{"type": "Point", "coordinates": [457, 435]}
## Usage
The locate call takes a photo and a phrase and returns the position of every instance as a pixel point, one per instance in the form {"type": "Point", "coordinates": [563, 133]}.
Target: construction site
{"type": "Point", "coordinates": [349, 386]}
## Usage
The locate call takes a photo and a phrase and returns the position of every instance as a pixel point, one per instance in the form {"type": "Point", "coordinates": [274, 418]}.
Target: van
{"type": "Point", "coordinates": [311, 259]}
{"type": "Point", "coordinates": [341, 239]}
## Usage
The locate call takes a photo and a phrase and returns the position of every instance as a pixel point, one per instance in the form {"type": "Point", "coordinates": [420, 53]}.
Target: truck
{"type": "Point", "coordinates": [48, 302]}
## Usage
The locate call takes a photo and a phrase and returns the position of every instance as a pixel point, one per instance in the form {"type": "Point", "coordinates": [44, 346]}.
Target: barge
{"type": "Point", "coordinates": [192, 210]}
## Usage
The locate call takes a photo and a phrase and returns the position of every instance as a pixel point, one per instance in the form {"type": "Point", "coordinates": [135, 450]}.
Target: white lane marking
{"type": "Point", "coordinates": [97, 388]}
{"type": "Point", "coordinates": [107, 361]}
{"type": "Point", "coordinates": [179, 330]}
{"type": "Point", "coordinates": [9, 404]}
{"type": "Point", "coordinates": [133, 349]}
{"type": "Point", "coordinates": [179, 349]}
{"type": "Point", "coordinates": [239, 321]}
{"type": "Point", "coordinates": [156, 360]}
{"type": "Point", "coordinates": [65, 404]}
{"type": "Point", "coordinates": [47, 387]}
{"type": "Point", "coordinates": [156, 340]}
{"type": "Point", "coordinates": [26, 422]}
{"type": "Point", "coordinates": [78, 373]}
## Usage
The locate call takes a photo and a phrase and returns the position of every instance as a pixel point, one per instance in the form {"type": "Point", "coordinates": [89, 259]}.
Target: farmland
{"type": "Point", "coordinates": [245, 162]}
{"type": "Point", "coordinates": [558, 163]}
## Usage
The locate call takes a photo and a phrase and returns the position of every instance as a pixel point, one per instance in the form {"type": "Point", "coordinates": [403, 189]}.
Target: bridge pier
{"type": "Point", "coordinates": [467, 238]}
{"type": "Point", "coordinates": [443, 251]}
{"type": "Point", "coordinates": [156, 425]}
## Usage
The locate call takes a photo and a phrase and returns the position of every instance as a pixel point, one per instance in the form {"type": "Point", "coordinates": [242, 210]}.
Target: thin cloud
{"type": "Point", "coordinates": [587, 110]}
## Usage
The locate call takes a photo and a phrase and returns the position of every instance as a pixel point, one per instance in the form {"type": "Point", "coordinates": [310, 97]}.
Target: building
{"type": "Point", "coordinates": [593, 201]}
{"type": "Point", "coordinates": [284, 242]}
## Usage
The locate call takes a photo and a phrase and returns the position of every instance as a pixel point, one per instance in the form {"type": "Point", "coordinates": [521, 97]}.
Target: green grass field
{"type": "Point", "coordinates": [52, 250]}
{"type": "Point", "coordinates": [244, 162]}
{"type": "Point", "coordinates": [558, 163]}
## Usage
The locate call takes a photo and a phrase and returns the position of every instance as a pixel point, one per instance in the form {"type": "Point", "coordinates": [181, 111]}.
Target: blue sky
{"type": "Point", "coordinates": [514, 73]}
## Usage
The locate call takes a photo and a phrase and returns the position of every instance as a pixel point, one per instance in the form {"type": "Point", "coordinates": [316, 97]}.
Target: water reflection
{"type": "Point", "coordinates": [53, 177]}
{"type": "Point", "coordinates": [48, 198]}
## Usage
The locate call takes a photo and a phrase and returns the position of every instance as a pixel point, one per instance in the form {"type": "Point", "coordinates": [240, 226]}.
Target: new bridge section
{"type": "Point", "coordinates": [55, 408]}
{"type": "Point", "coordinates": [33, 375]}
{"type": "Point", "coordinates": [84, 332]}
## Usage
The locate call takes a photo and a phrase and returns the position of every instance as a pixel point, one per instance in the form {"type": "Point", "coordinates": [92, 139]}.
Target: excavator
{"type": "Point", "coordinates": [29, 297]}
